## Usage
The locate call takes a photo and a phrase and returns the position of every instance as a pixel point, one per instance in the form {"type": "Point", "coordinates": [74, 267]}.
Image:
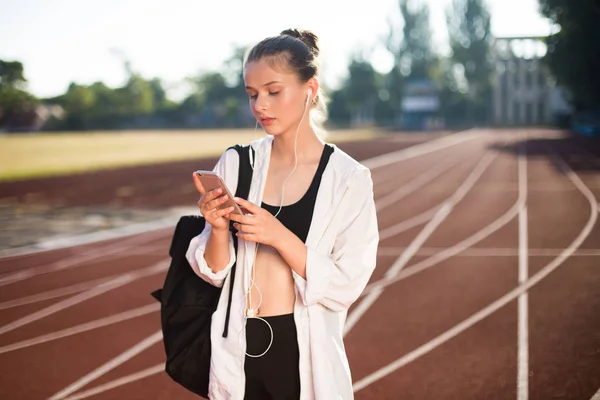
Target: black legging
{"type": "Point", "coordinates": [275, 375]}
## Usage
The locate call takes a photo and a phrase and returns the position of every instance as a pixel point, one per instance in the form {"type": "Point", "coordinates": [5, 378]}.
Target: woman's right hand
{"type": "Point", "coordinates": [209, 203]}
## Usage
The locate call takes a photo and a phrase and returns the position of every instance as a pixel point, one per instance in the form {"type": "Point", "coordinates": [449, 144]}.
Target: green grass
{"type": "Point", "coordinates": [45, 154]}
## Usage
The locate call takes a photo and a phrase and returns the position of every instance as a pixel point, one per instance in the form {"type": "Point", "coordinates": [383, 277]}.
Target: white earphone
{"type": "Point", "coordinates": [252, 312]}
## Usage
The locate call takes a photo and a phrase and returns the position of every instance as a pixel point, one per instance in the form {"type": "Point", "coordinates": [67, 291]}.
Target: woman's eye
{"type": "Point", "coordinates": [255, 96]}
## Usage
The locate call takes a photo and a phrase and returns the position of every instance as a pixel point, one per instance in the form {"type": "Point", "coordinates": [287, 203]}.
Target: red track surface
{"type": "Point", "coordinates": [462, 227]}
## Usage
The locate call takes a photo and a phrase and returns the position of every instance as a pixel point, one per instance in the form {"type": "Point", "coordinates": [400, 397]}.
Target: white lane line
{"type": "Point", "coordinates": [52, 294]}
{"type": "Point", "coordinates": [489, 252]}
{"type": "Point", "coordinates": [157, 369]}
{"type": "Point", "coordinates": [419, 149]}
{"type": "Point", "coordinates": [401, 193]}
{"type": "Point", "coordinates": [593, 156]}
{"type": "Point", "coordinates": [362, 307]}
{"type": "Point", "coordinates": [78, 260]}
{"type": "Point", "coordinates": [90, 238]}
{"type": "Point", "coordinates": [421, 238]}
{"type": "Point", "coordinates": [384, 177]}
{"type": "Point", "coordinates": [102, 370]}
{"type": "Point", "coordinates": [86, 285]}
{"type": "Point", "coordinates": [168, 222]}
{"type": "Point", "coordinates": [147, 251]}
{"type": "Point", "coordinates": [410, 223]}
{"type": "Point", "coordinates": [110, 365]}
{"type": "Point", "coordinates": [523, 307]}
{"type": "Point", "coordinates": [61, 305]}
{"type": "Point", "coordinates": [415, 184]}
{"type": "Point", "coordinates": [597, 395]}
{"type": "Point", "coordinates": [79, 384]}
{"type": "Point", "coordinates": [66, 290]}
{"type": "Point", "coordinates": [504, 300]}
{"type": "Point", "coordinates": [77, 299]}
{"type": "Point", "coordinates": [85, 327]}
{"type": "Point", "coordinates": [450, 251]}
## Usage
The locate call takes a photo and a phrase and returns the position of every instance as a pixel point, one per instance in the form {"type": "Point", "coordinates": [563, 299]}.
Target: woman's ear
{"type": "Point", "coordinates": [313, 86]}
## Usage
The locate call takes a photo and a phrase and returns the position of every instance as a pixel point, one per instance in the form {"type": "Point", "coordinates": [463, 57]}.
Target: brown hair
{"type": "Point", "coordinates": [297, 50]}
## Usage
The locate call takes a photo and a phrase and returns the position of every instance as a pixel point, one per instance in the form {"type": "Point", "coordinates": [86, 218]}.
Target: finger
{"type": "Point", "coordinates": [249, 237]}
{"type": "Point", "coordinates": [212, 195]}
{"type": "Point", "coordinates": [224, 212]}
{"type": "Point", "coordinates": [253, 208]}
{"type": "Point", "coordinates": [244, 219]}
{"type": "Point", "coordinates": [202, 207]}
{"type": "Point", "coordinates": [212, 213]}
{"type": "Point", "coordinates": [205, 201]}
{"type": "Point", "coordinates": [216, 202]}
{"type": "Point", "coordinates": [245, 228]}
{"type": "Point", "coordinates": [244, 211]}
{"type": "Point", "coordinates": [236, 217]}
{"type": "Point", "coordinates": [198, 184]}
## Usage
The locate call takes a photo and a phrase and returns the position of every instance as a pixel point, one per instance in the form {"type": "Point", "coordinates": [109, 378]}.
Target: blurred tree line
{"type": "Point", "coordinates": [574, 51]}
{"type": "Point", "coordinates": [463, 79]}
{"type": "Point", "coordinates": [16, 104]}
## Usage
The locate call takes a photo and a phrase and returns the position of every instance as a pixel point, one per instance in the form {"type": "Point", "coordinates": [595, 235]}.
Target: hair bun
{"type": "Point", "coordinates": [308, 37]}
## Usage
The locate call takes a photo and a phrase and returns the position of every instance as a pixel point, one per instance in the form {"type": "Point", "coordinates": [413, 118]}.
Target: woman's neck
{"type": "Point", "coordinates": [309, 145]}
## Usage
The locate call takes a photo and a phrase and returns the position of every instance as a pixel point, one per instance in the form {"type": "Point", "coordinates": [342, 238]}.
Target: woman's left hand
{"type": "Point", "coordinates": [260, 227]}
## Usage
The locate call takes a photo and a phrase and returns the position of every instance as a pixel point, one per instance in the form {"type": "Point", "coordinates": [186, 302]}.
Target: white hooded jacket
{"type": "Point", "coordinates": [342, 248]}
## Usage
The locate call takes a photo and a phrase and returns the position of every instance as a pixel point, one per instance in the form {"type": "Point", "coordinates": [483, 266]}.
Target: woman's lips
{"type": "Point", "coordinates": [267, 121]}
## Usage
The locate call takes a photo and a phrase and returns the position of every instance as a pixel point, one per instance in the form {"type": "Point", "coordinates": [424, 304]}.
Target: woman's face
{"type": "Point", "coordinates": [277, 97]}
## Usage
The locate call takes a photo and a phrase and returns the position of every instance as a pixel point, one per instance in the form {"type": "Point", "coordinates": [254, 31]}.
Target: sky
{"type": "Point", "coordinates": [63, 41]}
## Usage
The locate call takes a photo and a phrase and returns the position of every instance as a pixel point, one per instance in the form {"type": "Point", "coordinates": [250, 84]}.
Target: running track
{"type": "Point", "coordinates": [487, 285]}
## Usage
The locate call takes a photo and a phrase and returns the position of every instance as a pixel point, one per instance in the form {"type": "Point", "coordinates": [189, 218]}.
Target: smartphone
{"type": "Point", "coordinates": [211, 180]}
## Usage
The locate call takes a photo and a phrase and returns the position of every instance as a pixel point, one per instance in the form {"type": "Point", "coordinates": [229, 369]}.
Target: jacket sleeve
{"type": "Point", "coordinates": [227, 168]}
{"type": "Point", "coordinates": [336, 280]}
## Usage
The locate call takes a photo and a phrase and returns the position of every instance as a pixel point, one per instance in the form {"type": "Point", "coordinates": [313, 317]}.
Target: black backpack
{"type": "Point", "coordinates": [188, 302]}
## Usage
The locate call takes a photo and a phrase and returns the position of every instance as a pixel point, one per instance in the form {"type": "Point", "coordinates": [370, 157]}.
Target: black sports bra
{"type": "Point", "coordinates": [297, 217]}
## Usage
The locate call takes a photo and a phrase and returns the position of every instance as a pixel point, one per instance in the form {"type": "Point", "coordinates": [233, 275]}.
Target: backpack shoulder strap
{"type": "Point", "coordinates": [245, 172]}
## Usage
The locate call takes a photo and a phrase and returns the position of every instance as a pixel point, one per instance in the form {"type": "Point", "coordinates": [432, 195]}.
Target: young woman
{"type": "Point", "coordinates": [306, 246]}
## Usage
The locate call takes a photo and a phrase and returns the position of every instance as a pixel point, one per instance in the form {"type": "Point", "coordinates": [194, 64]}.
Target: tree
{"type": "Point", "coordinates": [213, 103]}
{"type": "Point", "coordinates": [414, 57]}
{"type": "Point", "coordinates": [214, 87]}
{"type": "Point", "coordinates": [361, 89]}
{"type": "Point", "coordinates": [393, 85]}
{"type": "Point", "coordinates": [106, 101]}
{"type": "Point", "coordinates": [159, 94]}
{"type": "Point", "coordinates": [339, 109]}
{"type": "Point", "coordinates": [11, 74]}
{"type": "Point", "coordinates": [453, 93]}
{"type": "Point", "coordinates": [78, 102]}
{"type": "Point", "coordinates": [79, 99]}
{"type": "Point", "coordinates": [470, 39]}
{"type": "Point", "coordinates": [573, 54]}
{"type": "Point", "coordinates": [413, 54]}
{"type": "Point", "coordinates": [16, 104]}
{"type": "Point", "coordinates": [233, 70]}
{"type": "Point", "coordinates": [137, 96]}
{"type": "Point", "coordinates": [357, 101]}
